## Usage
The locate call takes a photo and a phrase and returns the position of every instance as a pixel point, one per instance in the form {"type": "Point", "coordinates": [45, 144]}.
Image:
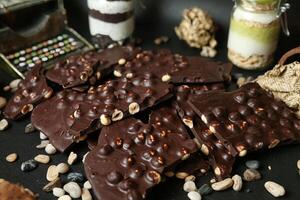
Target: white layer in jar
{"type": "Point", "coordinates": [113, 19]}
{"type": "Point", "coordinates": [253, 38]}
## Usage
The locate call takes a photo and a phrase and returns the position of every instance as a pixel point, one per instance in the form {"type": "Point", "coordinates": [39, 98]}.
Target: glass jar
{"type": "Point", "coordinates": [254, 32]}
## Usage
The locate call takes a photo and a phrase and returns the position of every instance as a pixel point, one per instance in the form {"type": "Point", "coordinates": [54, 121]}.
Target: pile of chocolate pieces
{"type": "Point", "coordinates": [194, 124]}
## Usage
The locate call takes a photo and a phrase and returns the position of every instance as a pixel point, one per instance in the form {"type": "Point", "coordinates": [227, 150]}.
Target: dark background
{"type": "Point", "coordinates": [159, 18]}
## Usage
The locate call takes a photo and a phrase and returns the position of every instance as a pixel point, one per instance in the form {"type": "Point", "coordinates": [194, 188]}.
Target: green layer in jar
{"type": "Point", "coordinates": [263, 1]}
{"type": "Point", "coordinates": [263, 34]}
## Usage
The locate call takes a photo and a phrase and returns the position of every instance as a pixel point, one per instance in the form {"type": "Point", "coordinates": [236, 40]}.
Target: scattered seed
{"type": "Point", "coordinates": [190, 178]}
{"type": "Point", "coordinates": [58, 192]}
{"type": "Point", "coordinates": [55, 183]}
{"type": "Point", "coordinates": [6, 88]}
{"type": "Point", "coordinates": [41, 158]}
{"type": "Point", "coordinates": [87, 185]}
{"type": "Point", "coordinates": [14, 84]}
{"type": "Point", "coordinates": [166, 78]}
{"type": "Point", "coordinates": [253, 164]}
{"type": "Point", "coordinates": [2, 102]}
{"type": "Point", "coordinates": [194, 195]}
{"type": "Point", "coordinates": [3, 124]}
{"type": "Point", "coordinates": [11, 157]}
{"type": "Point", "coordinates": [29, 128]}
{"type": "Point", "coordinates": [43, 136]}
{"type": "Point", "coordinates": [160, 40]}
{"type": "Point", "coordinates": [181, 175]}
{"type": "Point", "coordinates": [75, 177]}
{"type": "Point", "coordinates": [65, 197]}
{"type": "Point", "coordinates": [72, 158]}
{"type": "Point", "coordinates": [43, 144]}
{"type": "Point", "coordinates": [50, 149]}
{"type": "Point", "coordinates": [86, 195]}
{"type": "Point", "coordinates": [237, 183]}
{"type": "Point", "coordinates": [205, 189]}
{"type": "Point", "coordinates": [29, 165]}
{"type": "Point", "coordinates": [122, 61]}
{"type": "Point", "coordinates": [251, 175]}
{"type": "Point", "coordinates": [189, 186]}
{"type": "Point", "coordinates": [222, 185]}
{"type": "Point", "coordinates": [52, 173]}
{"type": "Point", "coordinates": [274, 188]}
{"type": "Point", "coordinates": [269, 167]}
{"type": "Point", "coordinates": [298, 164]}
{"type": "Point", "coordinates": [62, 168]}
{"type": "Point", "coordinates": [73, 189]}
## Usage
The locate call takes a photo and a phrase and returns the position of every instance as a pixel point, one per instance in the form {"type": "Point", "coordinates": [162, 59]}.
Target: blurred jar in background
{"type": "Point", "coordinates": [111, 21]}
{"type": "Point", "coordinates": [254, 33]}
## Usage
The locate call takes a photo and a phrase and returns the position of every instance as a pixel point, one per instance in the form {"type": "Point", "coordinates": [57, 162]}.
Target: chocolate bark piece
{"type": "Point", "coordinates": [73, 115]}
{"type": "Point", "coordinates": [10, 191]}
{"type": "Point", "coordinates": [219, 157]}
{"type": "Point", "coordinates": [88, 68]}
{"type": "Point", "coordinates": [31, 91]}
{"type": "Point", "coordinates": [247, 119]}
{"type": "Point", "coordinates": [175, 68]}
{"type": "Point", "coordinates": [131, 157]}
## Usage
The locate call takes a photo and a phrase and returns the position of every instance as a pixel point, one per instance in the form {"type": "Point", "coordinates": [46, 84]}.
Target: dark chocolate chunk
{"type": "Point", "coordinates": [31, 91]}
{"type": "Point", "coordinates": [267, 123]}
{"type": "Point", "coordinates": [175, 68]}
{"type": "Point", "coordinates": [69, 116]}
{"type": "Point", "coordinates": [88, 68]}
{"type": "Point", "coordinates": [130, 158]}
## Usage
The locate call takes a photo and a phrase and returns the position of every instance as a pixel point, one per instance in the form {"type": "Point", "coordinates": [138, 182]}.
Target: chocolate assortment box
{"type": "Point", "coordinates": [143, 115]}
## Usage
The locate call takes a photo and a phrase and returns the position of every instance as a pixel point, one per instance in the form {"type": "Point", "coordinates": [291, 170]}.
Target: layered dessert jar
{"type": "Point", "coordinates": [111, 21]}
{"type": "Point", "coordinates": [254, 32]}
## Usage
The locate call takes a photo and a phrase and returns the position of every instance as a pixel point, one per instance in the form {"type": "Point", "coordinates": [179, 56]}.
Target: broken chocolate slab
{"type": "Point", "coordinates": [175, 68]}
{"type": "Point", "coordinates": [31, 91]}
{"type": "Point", "coordinates": [131, 157]}
{"type": "Point", "coordinates": [88, 68]}
{"type": "Point", "coordinates": [220, 158]}
{"type": "Point", "coordinates": [247, 119]}
{"type": "Point", "coordinates": [69, 116]}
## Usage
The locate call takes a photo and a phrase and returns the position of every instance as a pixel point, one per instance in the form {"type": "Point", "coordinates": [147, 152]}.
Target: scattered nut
{"type": "Point", "coordinates": [188, 122]}
{"type": "Point", "coordinates": [62, 168]}
{"type": "Point", "coordinates": [181, 175]}
{"type": "Point", "coordinates": [274, 188]}
{"type": "Point", "coordinates": [117, 115]}
{"type": "Point", "coordinates": [86, 195]}
{"type": "Point", "coordinates": [43, 144]}
{"type": "Point", "coordinates": [87, 185]}
{"type": "Point", "coordinates": [11, 157]}
{"type": "Point", "coordinates": [58, 192]}
{"type": "Point", "coordinates": [166, 78]}
{"type": "Point", "coordinates": [105, 120]}
{"type": "Point", "coordinates": [2, 102]}
{"type": "Point", "coordinates": [42, 158]}
{"type": "Point", "coordinates": [169, 174]}
{"type": "Point", "coordinates": [193, 195]}
{"type": "Point", "coordinates": [52, 173]}
{"type": "Point", "coordinates": [252, 164]}
{"type": "Point", "coordinates": [73, 189]}
{"type": "Point", "coordinates": [190, 178]}
{"type": "Point", "coordinates": [222, 185]}
{"type": "Point", "coordinates": [50, 149]}
{"type": "Point", "coordinates": [237, 183]}
{"type": "Point", "coordinates": [55, 183]}
{"type": "Point", "coordinates": [29, 128]}
{"type": "Point", "coordinates": [43, 136]}
{"type": "Point", "coordinates": [208, 52]}
{"type": "Point", "coordinates": [129, 75]}
{"type": "Point", "coordinates": [251, 175]}
{"type": "Point", "coordinates": [3, 124]}
{"type": "Point", "coordinates": [160, 40]}
{"type": "Point", "coordinates": [6, 88]}
{"type": "Point", "coordinates": [29, 165]}
{"type": "Point", "coordinates": [189, 186]}
{"type": "Point", "coordinates": [133, 108]}
{"type": "Point", "coordinates": [72, 158]}
{"type": "Point", "coordinates": [122, 61]}
{"type": "Point", "coordinates": [14, 84]}
{"type": "Point", "coordinates": [298, 164]}
{"type": "Point", "coordinates": [65, 197]}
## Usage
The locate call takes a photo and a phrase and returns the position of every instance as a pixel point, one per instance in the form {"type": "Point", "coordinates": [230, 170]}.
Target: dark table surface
{"type": "Point", "coordinates": [159, 18]}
